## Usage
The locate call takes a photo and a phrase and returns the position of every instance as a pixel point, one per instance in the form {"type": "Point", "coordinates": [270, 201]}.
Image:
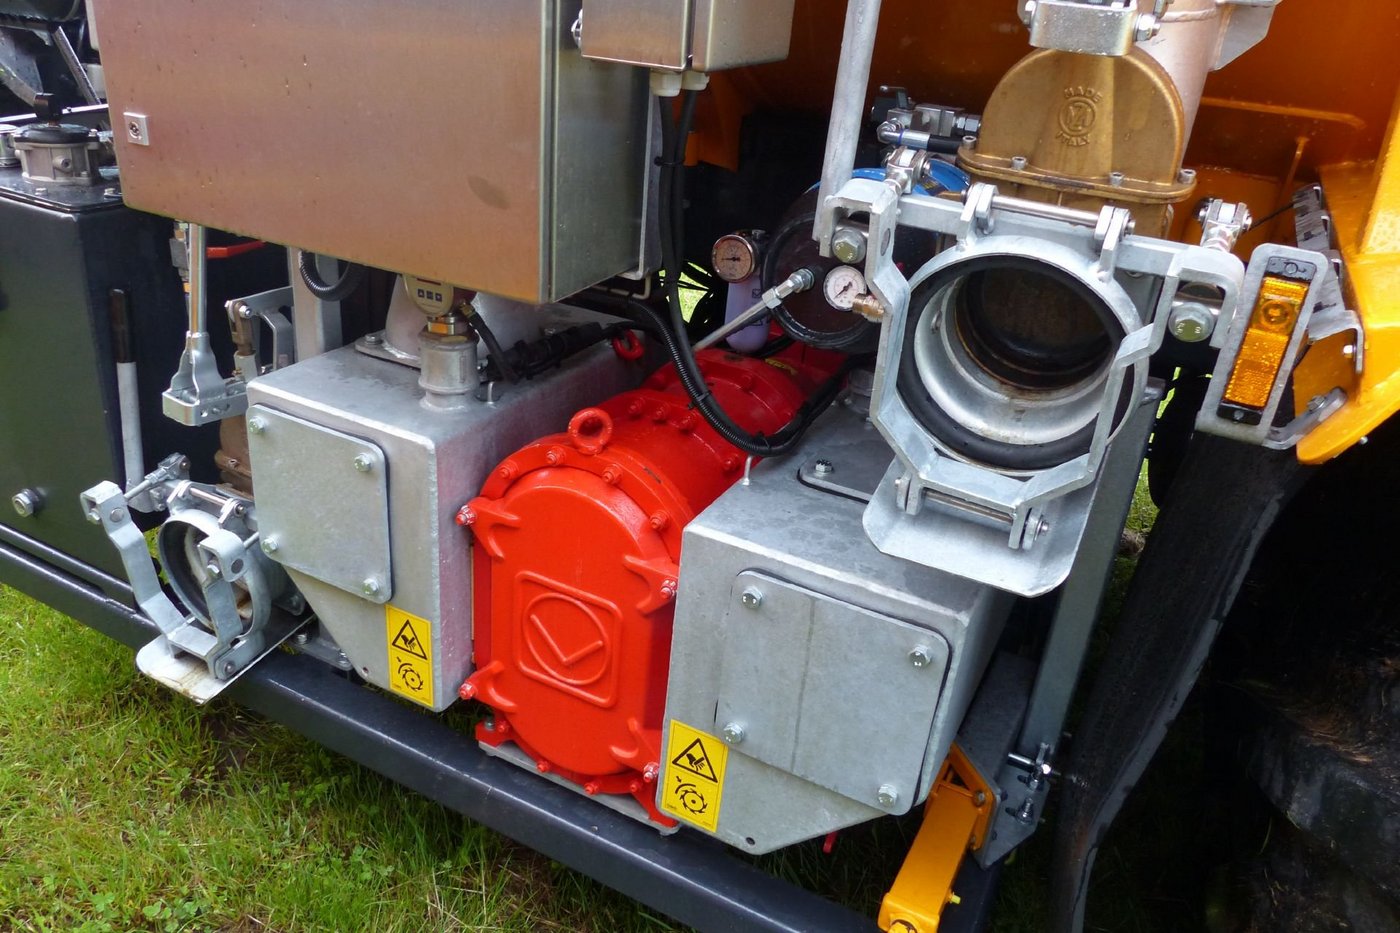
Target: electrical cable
{"type": "Point", "coordinates": [493, 348]}
{"type": "Point", "coordinates": [349, 280]}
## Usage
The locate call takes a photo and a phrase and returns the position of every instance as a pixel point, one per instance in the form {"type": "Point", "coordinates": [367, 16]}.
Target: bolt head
{"type": "Point", "coordinates": [751, 598]}
{"type": "Point", "coordinates": [823, 468]}
{"type": "Point", "coordinates": [214, 571]}
{"type": "Point", "coordinates": [733, 733]}
{"type": "Point", "coordinates": [256, 425]}
{"type": "Point", "coordinates": [363, 464]}
{"type": "Point", "coordinates": [229, 668]}
{"type": "Point", "coordinates": [887, 795]}
{"type": "Point", "coordinates": [848, 245]}
{"type": "Point", "coordinates": [1192, 323]}
{"type": "Point", "coordinates": [371, 587]}
{"type": "Point", "coordinates": [921, 657]}
{"type": "Point", "coordinates": [269, 545]}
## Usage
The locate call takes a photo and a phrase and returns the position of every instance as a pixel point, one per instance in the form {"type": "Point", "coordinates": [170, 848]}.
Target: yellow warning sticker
{"type": "Point", "coordinates": [694, 777]}
{"type": "Point", "coordinates": [410, 655]}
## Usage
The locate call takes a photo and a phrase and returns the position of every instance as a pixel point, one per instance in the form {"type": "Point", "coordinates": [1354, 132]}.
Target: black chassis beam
{"type": "Point", "coordinates": [686, 876]}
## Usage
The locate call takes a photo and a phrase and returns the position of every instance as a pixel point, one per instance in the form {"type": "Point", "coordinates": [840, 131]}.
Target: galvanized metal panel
{"type": "Point", "coordinates": [326, 499]}
{"type": "Point", "coordinates": [827, 690]}
{"type": "Point", "coordinates": [813, 539]}
{"type": "Point", "coordinates": [466, 142]}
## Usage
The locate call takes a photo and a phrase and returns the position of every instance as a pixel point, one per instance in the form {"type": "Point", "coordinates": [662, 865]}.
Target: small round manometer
{"type": "Point", "coordinates": [735, 257]}
{"type": "Point", "coordinates": [843, 286]}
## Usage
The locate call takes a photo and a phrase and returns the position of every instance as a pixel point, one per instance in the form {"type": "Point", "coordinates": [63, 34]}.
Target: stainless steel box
{"type": "Point", "coordinates": [699, 35]}
{"type": "Point", "coordinates": [465, 141]}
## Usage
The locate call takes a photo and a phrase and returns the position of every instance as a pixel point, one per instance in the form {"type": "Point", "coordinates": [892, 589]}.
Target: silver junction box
{"type": "Point", "coordinates": [464, 141]}
{"type": "Point", "coordinates": [356, 479]}
{"type": "Point", "coordinates": [843, 673]}
{"type": "Point", "coordinates": [680, 35]}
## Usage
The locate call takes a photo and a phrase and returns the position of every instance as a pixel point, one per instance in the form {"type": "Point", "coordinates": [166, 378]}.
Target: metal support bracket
{"type": "Point", "coordinates": [200, 653]}
{"type": "Point", "coordinates": [267, 307]}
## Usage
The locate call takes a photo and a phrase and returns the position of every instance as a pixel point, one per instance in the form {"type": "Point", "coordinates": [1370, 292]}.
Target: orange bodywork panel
{"type": "Point", "coordinates": [1365, 203]}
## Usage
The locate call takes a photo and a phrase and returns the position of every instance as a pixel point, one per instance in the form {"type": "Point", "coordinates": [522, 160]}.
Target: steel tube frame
{"type": "Point", "coordinates": [689, 877]}
{"type": "Point", "coordinates": [847, 107]}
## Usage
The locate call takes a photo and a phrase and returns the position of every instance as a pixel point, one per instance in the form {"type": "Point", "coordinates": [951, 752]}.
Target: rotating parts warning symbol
{"type": "Point", "coordinates": [410, 646]}
{"type": "Point", "coordinates": [410, 676]}
{"type": "Point", "coordinates": [695, 760]}
{"type": "Point", "coordinates": [693, 784]}
{"type": "Point", "coordinates": [407, 640]}
{"type": "Point", "coordinates": [691, 798]}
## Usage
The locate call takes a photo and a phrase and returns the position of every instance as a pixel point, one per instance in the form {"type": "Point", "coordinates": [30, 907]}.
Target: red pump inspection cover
{"type": "Point", "coordinates": [577, 564]}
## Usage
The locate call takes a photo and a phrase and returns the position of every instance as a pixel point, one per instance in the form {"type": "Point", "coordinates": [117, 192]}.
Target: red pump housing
{"type": "Point", "coordinates": [576, 565]}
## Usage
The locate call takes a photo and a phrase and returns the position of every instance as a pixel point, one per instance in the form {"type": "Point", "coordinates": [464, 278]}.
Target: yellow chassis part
{"type": "Point", "coordinates": [1364, 199]}
{"type": "Point", "coordinates": [956, 816]}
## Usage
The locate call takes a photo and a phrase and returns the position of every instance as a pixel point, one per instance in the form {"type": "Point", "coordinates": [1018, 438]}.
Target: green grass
{"type": "Point", "coordinates": [125, 807]}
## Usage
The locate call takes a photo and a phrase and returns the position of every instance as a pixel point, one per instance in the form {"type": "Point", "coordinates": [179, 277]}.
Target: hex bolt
{"type": "Point", "coordinates": [27, 502]}
{"type": "Point", "coordinates": [371, 587]}
{"type": "Point", "coordinates": [213, 571]}
{"type": "Point", "coordinates": [751, 598]}
{"type": "Point", "coordinates": [1026, 813]}
{"type": "Point", "coordinates": [848, 245]}
{"type": "Point", "coordinates": [887, 795]}
{"type": "Point", "coordinates": [363, 464]}
{"type": "Point", "coordinates": [301, 638]}
{"type": "Point", "coordinates": [823, 468]}
{"type": "Point", "coordinates": [979, 798]}
{"type": "Point", "coordinates": [256, 425]}
{"type": "Point", "coordinates": [269, 545]}
{"type": "Point", "coordinates": [733, 733]}
{"type": "Point", "coordinates": [921, 657]}
{"type": "Point", "coordinates": [1191, 322]}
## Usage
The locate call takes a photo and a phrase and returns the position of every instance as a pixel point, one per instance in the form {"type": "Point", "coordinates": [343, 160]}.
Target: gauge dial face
{"type": "Point", "coordinates": [843, 286]}
{"type": "Point", "coordinates": [734, 257]}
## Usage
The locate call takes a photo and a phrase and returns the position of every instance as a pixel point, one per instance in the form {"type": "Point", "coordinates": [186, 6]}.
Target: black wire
{"type": "Point", "coordinates": [493, 347]}
{"type": "Point", "coordinates": [1268, 217]}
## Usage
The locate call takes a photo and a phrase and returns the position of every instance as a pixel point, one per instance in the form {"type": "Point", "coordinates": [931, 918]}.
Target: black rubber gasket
{"type": "Point", "coordinates": [943, 426]}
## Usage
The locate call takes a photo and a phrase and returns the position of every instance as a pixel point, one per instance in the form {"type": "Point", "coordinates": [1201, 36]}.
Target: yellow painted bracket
{"type": "Point", "coordinates": [956, 817]}
{"type": "Point", "coordinates": [1364, 199]}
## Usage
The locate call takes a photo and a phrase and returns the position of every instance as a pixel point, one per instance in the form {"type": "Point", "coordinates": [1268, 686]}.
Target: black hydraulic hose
{"type": "Point", "coordinates": [671, 193]}
{"type": "Point", "coordinates": [758, 445]}
{"type": "Point", "coordinates": [349, 280]}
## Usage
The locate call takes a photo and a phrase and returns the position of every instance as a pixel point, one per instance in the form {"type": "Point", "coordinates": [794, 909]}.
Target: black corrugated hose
{"type": "Point", "coordinates": [349, 280]}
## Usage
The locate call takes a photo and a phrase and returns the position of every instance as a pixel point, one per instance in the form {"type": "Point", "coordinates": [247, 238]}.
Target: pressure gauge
{"type": "Point", "coordinates": [735, 256]}
{"type": "Point", "coordinates": [843, 286]}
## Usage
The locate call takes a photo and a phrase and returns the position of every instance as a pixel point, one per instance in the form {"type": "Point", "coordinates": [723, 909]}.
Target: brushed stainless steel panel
{"type": "Point", "coordinates": [424, 136]}
{"type": "Point", "coordinates": [730, 33]}
{"type": "Point", "coordinates": [652, 33]}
